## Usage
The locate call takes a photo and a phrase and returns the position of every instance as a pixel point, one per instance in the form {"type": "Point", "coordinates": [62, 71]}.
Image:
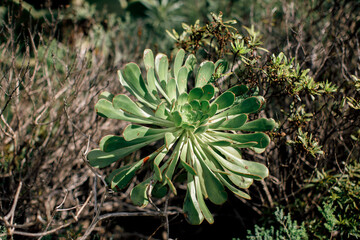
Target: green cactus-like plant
{"type": "Point", "coordinates": [201, 134]}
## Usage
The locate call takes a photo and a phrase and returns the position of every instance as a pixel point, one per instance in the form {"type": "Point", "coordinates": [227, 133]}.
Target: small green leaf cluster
{"type": "Point", "coordinates": [307, 143]}
{"type": "Point", "coordinates": [219, 35]}
{"type": "Point", "coordinates": [203, 133]}
{"type": "Point", "coordinates": [356, 82]}
{"type": "Point", "coordinates": [287, 229]}
{"type": "Point", "coordinates": [280, 69]}
{"type": "Point", "coordinates": [303, 141]}
{"type": "Point", "coordinates": [298, 115]}
{"type": "Point", "coordinates": [340, 199]}
{"type": "Point", "coordinates": [353, 101]}
{"type": "Point", "coordinates": [3, 231]}
{"type": "Point", "coordinates": [328, 212]}
{"type": "Point", "coordinates": [242, 46]}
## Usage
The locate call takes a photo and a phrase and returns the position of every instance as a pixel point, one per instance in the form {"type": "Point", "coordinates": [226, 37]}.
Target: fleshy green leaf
{"type": "Point", "coordinates": [244, 145]}
{"type": "Point", "coordinates": [139, 194]}
{"type": "Point", "coordinates": [124, 103]}
{"type": "Point", "coordinates": [150, 77]}
{"type": "Point", "coordinates": [170, 137]}
{"type": "Point", "coordinates": [256, 170]}
{"type": "Point", "coordinates": [233, 122]}
{"type": "Point", "coordinates": [182, 99]}
{"type": "Point", "coordinates": [106, 95]}
{"type": "Point", "coordinates": [106, 109]}
{"type": "Point", "coordinates": [234, 189]}
{"type": "Point", "coordinates": [195, 104]}
{"type": "Point", "coordinates": [132, 80]}
{"type": "Point", "coordinates": [191, 206]}
{"type": "Point", "coordinates": [225, 100]}
{"type": "Point", "coordinates": [148, 59]}
{"type": "Point", "coordinates": [230, 165]}
{"type": "Point", "coordinates": [183, 158]}
{"type": "Point", "coordinates": [249, 105]}
{"type": "Point", "coordinates": [157, 162]}
{"type": "Point", "coordinates": [133, 132]}
{"type": "Point", "coordinates": [161, 111]}
{"type": "Point", "coordinates": [220, 143]}
{"type": "Point", "coordinates": [216, 124]}
{"type": "Point", "coordinates": [261, 124]}
{"type": "Point", "coordinates": [172, 163]}
{"type": "Point", "coordinates": [212, 110]}
{"type": "Point", "coordinates": [238, 90]}
{"type": "Point", "coordinates": [205, 211]}
{"type": "Point", "coordinates": [239, 181]}
{"type": "Point", "coordinates": [195, 93]}
{"type": "Point", "coordinates": [188, 168]}
{"type": "Point", "coordinates": [261, 138]}
{"type": "Point", "coordinates": [205, 73]}
{"type": "Point", "coordinates": [121, 177]}
{"type": "Point", "coordinates": [171, 89]}
{"type": "Point", "coordinates": [159, 190]}
{"type": "Point", "coordinates": [194, 155]}
{"type": "Point", "coordinates": [182, 78]}
{"type": "Point", "coordinates": [111, 143]}
{"type": "Point", "coordinates": [99, 158]}
{"type": "Point", "coordinates": [201, 129]}
{"type": "Point", "coordinates": [179, 59]}
{"type": "Point", "coordinates": [161, 67]}
{"type": "Point", "coordinates": [177, 118]}
{"type": "Point", "coordinates": [209, 92]}
{"type": "Point", "coordinates": [205, 106]}
{"type": "Point", "coordinates": [214, 187]}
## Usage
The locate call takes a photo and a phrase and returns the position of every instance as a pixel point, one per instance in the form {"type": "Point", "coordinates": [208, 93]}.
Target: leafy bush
{"type": "Point", "coordinates": [338, 203]}
{"type": "Point", "coordinates": [287, 229]}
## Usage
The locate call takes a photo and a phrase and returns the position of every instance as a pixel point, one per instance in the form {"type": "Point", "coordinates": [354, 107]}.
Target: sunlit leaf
{"type": "Point", "coordinates": [139, 194]}
{"type": "Point", "coordinates": [191, 206]}
{"type": "Point", "coordinates": [161, 67]}
{"type": "Point", "coordinates": [205, 73]}
{"type": "Point", "coordinates": [209, 92]}
{"type": "Point", "coordinates": [225, 100]}
{"type": "Point", "coordinates": [179, 59]}
{"type": "Point", "coordinates": [195, 93]}
{"type": "Point", "coordinates": [148, 59]}
{"type": "Point", "coordinates": [249, 105]}
{"type": "Point", "coordinates": [182, 79]}
{"type": "Point", "coordinates": [261, 124]}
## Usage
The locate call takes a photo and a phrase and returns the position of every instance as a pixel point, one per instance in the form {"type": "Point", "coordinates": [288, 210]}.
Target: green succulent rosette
{"type": "Point", "coordinates": [201, 134]}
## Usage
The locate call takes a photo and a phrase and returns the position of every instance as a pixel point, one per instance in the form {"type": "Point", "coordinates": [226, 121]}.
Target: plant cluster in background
{"type": "Point", "coordinates": [285, 228]}
{"type": "Point", "coordinates": [339, 203]}
{"type": "Point", "coordinates": [335, 217]}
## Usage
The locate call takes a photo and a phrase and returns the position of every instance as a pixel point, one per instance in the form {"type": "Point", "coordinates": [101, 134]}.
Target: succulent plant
{"type": "Point", "coordinates": [201, 134]}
